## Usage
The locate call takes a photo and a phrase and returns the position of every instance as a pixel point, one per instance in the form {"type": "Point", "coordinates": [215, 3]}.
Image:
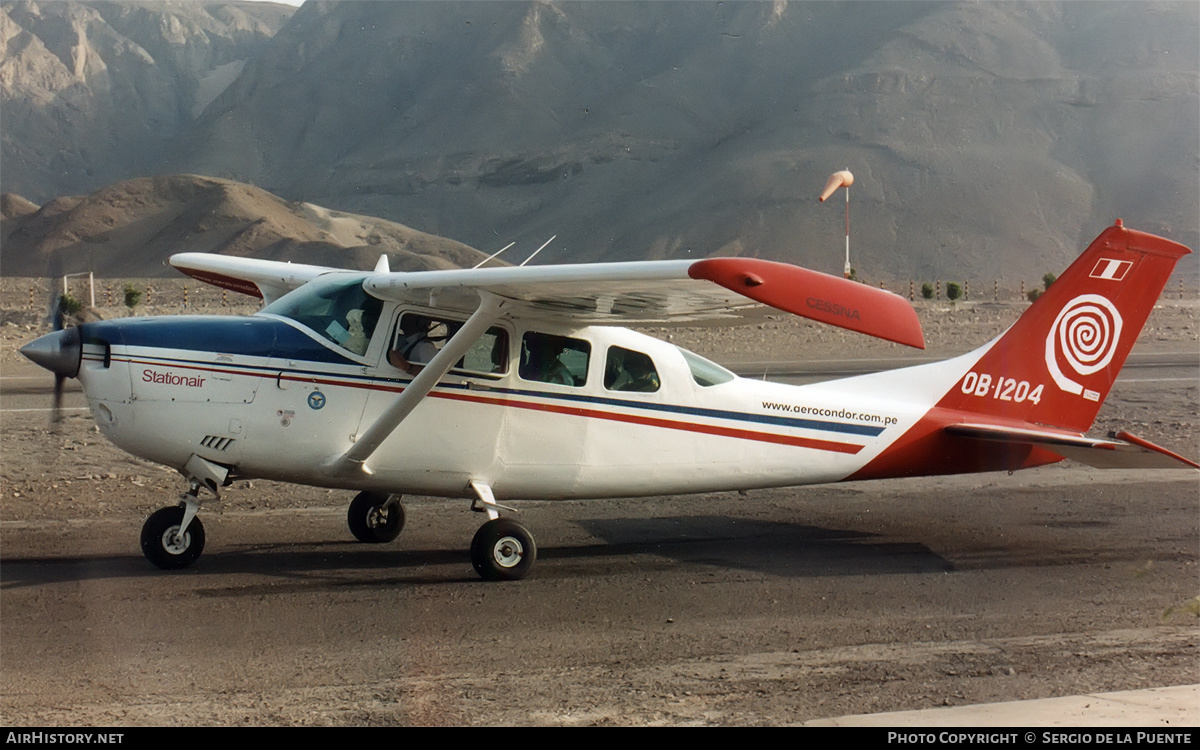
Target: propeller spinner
{"type": "Point", "coordinates": [59, 352]}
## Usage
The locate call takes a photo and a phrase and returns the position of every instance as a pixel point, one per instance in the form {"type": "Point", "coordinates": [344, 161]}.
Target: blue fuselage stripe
{"type": "Point", "coordinates": [252, 336]}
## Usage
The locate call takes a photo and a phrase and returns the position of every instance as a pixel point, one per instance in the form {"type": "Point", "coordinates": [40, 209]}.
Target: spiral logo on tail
{"type": "Point", "coordinates": [1085, 334]}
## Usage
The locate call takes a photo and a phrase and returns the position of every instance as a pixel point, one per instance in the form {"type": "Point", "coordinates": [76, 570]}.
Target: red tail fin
{"type": "Point", "coordinates": [1057, 363]}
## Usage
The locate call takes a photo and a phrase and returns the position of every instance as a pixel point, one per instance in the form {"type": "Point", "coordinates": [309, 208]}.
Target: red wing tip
{"type": "Point", "coordinates": [915, 339]}
{"type": "Point", "coordinates": [816, 296]}
{"type": "Point", "coordinates": [1129, 437]}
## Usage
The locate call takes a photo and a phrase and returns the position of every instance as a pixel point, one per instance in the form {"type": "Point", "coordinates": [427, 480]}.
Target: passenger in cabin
{"type": "Point", "coordinates": [413, 348]}
{"type": "Point", "coordinates": [628, 370]}
{"type": "Point", "coordinates": [543, 360]}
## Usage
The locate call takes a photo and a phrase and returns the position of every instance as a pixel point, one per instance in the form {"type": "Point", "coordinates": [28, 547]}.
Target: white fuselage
{"type": "Point", "coordinates": [268, 398]}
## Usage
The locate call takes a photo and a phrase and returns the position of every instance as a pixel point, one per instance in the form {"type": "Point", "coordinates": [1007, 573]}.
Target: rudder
{"type": "Point", "coordinates": [1057, 363]}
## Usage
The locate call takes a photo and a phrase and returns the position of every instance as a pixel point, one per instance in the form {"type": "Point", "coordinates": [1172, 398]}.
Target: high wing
{"type": "Point", "coordinates": [651, 292]}
{"type": "Point", "coordinates": [673, 292]}
{"type": "Point", "coordinates": [268, 279]}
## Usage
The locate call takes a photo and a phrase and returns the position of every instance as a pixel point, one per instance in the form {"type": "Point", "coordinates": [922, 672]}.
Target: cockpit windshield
{"type": "Point", "coordinates": [334, 307]}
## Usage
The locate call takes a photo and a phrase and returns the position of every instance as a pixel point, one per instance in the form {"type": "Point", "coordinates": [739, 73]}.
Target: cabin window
{"type": "Point", "coordinates": [704, 372]}
{"type": "Point", "coordinates": [418, 338]}
{"type": "Point", "coordinates": [335, 307]}
{"type": "Point", "coordinates": [546, 358]}
{"type": "Point", "coordinates": [627, 370]}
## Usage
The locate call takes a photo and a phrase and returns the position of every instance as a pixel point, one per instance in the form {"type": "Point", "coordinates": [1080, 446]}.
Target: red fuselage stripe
{"type": "Point", "coordinates": [762, 437]}
{"type": "Point", "coordinates": [704, 429]}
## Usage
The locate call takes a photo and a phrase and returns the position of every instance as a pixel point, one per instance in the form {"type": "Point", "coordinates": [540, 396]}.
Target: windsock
{"type": "Point", "coordinates": [836, 180]}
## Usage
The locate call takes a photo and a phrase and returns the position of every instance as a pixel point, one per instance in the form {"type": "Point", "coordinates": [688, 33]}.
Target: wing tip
{"type": "Point", "coordinates": [817, 296]}
{"type": "Point", "coordinates": [1129, 437]}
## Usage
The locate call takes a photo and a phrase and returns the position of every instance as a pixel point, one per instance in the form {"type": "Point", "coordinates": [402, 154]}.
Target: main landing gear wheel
{"type": "Point", "coordinates": [375, 518]}
{"type": "Point", "coordinates": [162, 543]}
{"type": "Point", "coordinates": [503, 550]}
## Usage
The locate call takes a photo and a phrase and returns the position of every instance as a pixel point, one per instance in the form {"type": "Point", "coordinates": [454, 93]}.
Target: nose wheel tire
{"type": "Point", "coordinates": [375, 518]}
{"type": "Point", "coordinates": [162, 543]}
{"type": "Point", "coordinates": [503, 550]}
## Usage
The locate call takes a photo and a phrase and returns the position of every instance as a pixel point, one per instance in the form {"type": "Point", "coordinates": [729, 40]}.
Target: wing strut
{"type": "Point", "coordinates": [485, 315]}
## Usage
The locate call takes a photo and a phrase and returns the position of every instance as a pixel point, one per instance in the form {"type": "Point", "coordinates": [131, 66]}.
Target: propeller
{"type": "Point", "coordinates": [49, 356]}
{"type": "Point", "coordinates": [57, 316]}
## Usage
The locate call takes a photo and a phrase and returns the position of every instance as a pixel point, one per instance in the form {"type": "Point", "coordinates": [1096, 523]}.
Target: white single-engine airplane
{"type": "Point", "coordinates": [516, 382]}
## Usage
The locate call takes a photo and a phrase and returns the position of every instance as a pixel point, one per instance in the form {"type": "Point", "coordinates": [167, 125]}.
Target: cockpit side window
{"type": "Point", "coordinates": [336, 308]}
{"type": "Point", "coordinates": [546, 358]}
{"type": "Point", "coordinates": [627, 370]}
{"type": "Point", "coordinates": [418, 338]}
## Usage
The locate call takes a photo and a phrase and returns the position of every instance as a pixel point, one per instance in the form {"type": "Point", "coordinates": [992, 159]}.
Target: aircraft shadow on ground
{"type": "Point", "coordinates": [767, 547]}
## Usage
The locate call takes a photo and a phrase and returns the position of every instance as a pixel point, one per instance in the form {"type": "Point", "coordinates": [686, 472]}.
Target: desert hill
{"type": "Point", "coordinates": [129, 230]}
{"type": "Point", "coordinates": [95, 92]}
{"type": "Point", "coordinates": [989, 140]}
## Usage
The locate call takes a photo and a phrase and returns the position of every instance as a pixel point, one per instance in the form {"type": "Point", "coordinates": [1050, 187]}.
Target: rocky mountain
{"type": "Point", "coordinates": [92, 93]}
{"type": "Point", "coordinates": [130, 228]}
{"type": "Point", "coordinates": [988, 139]}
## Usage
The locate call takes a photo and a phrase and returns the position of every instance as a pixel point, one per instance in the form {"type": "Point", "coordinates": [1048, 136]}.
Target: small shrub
{"type": "Point", "coordinates": [927, 290]}
{"type": "Point", "coordinates": [1034, 294]}
{"type": "Point", "coordinates": [132, 296]}
{"type": "Point", "coordinates": [953, 290]}
{"type": "Point", "coordinates": [1048, 279]}
{"type": "Point", "coordinates": [69, 305]}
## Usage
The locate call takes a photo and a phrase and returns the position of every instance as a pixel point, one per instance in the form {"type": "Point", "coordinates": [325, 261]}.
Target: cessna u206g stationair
{"type": "Point", "coordinates": [517, 382]}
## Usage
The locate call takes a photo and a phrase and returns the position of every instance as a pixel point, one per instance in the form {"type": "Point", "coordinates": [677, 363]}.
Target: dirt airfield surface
{"type": "Point", "coordinates": [771, 607]}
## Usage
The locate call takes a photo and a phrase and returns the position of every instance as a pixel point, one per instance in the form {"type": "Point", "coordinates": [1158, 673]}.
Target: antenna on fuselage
{"type": "Point", "coordinates": [535, 252]}
{"type": "Point", "coordinates": [493, 255]}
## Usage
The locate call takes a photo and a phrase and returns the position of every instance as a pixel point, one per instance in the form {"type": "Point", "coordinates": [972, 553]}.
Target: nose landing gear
{"type": "Point", "coordinates": [173, 538]}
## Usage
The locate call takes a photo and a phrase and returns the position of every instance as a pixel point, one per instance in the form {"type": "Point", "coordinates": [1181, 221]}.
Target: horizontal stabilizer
{"type": "Point", "coordinates": [1123, 451]}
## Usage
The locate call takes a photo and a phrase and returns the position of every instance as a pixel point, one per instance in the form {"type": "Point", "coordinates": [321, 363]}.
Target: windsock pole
{"type": "Point", "coordinates": [847, 272]}
{"type": "Point", "coordinates": [835, 181]}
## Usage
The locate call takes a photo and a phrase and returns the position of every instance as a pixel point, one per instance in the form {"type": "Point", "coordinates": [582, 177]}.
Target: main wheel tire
{"type": "Point", "coordinates": [503, 550]}
{"type": "Point", "coordinates": [375, 518]}
{"type": "Point", "coordinates": [160, 546]}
